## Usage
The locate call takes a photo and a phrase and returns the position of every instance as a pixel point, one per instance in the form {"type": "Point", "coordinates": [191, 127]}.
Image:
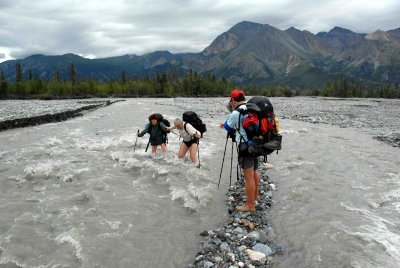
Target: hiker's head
{"type": "Point", "coordinates": [237, 95]}
{"type": "Point", "coordinates": [153, 119]}
{"type": "Point", "coordinates": [178, 123]}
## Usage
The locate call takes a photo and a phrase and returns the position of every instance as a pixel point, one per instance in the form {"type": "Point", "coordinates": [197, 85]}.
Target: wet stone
{"type": "Point", "coordinates": [242, 233]}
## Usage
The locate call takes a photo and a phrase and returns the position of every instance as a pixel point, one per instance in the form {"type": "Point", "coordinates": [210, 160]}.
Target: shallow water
{"type": "Point", "coordinates": [74, 194]}
{"type": "Point", "coordinates": [338, 201]}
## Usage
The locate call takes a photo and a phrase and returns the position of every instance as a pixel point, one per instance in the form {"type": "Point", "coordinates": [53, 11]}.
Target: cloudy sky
{"type": "Point", "coordinates": [103, 28]}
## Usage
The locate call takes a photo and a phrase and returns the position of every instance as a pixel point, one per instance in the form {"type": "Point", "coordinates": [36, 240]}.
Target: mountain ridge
{"type": "Point", "coordinates": [249, 54]}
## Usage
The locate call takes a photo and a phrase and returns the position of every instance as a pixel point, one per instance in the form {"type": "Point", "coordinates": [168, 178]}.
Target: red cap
{"type": "Point", "coordinates": [235, 94]}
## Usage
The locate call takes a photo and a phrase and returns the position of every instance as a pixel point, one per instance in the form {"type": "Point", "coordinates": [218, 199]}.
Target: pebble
{"type": "Point", "coordinates": [245, 239]}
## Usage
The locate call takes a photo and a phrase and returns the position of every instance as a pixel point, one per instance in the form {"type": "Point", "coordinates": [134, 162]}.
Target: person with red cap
{"type": "Point", "coordinates": [247, 162]}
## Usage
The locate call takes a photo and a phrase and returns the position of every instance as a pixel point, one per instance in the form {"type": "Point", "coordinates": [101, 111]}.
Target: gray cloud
{"type": "Point", "coordinates": [117, 27]}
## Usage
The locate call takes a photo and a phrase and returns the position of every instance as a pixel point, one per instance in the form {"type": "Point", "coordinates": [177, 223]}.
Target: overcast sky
{"type": "Point", "coordinates": [104, 28]}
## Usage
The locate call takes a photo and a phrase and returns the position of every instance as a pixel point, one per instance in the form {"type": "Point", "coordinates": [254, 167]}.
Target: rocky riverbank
{"type": "Point", "coordinates": [245, 240]}
{"type": "Point", "coordinates": [54, 117]}
{"type": "Point", "coordinates": [379, 117]}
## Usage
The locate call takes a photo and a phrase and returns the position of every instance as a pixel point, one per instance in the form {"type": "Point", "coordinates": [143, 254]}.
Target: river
{"type": "Point", "coordinates": [76, 194]}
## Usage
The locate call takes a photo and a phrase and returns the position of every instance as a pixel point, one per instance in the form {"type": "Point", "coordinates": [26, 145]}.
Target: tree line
{"type": "Point", "coordinates": [170, 84]}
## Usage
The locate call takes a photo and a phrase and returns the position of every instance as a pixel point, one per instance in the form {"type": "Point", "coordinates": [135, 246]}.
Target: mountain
{"type": "Point", "coordinates": [250, 54]}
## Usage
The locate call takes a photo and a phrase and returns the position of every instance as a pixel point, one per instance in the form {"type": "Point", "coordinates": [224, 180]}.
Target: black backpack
{"type": "Point", "coordinates": [193, 119]}
{"type": "Point", "coordinates": [260, 126]}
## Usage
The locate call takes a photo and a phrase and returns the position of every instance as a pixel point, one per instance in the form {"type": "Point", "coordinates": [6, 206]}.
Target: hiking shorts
{"type": "Point", "coordinates": [248, 161]}
{"type": "Point", "coordinates": [189, 143]}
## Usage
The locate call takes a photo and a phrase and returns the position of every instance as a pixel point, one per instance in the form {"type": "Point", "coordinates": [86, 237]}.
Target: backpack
{"type": "Point", "coordinates": [193, 119]}
{"type": "Point", "coordinates": [259, 123]}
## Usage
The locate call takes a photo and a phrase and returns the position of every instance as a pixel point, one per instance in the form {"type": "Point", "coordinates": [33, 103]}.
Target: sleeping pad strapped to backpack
{"type": "Point", "coordinates": [260, 126]}
{"type": "Point", "coordinates": [193, 119]}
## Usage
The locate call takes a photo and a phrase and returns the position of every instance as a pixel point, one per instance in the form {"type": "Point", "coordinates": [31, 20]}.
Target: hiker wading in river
{"type": "Point", "coordinates": [158, 133]}
{"type": "Point", "coordinates": [190, 137]}
{"type": "Point", "coordinates": [247, 162]}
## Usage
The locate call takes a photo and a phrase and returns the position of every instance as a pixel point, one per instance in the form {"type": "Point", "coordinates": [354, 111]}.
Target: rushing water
{"type": "Point", "coordinates": [74, 194]}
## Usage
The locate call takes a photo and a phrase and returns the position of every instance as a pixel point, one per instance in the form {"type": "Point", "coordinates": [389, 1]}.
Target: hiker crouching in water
{"type": "Point", "coordinates": [158, 133]}
{"type": "Point", "coordinates": [247, 162]}
{"type": "Point", "coordinates": [190, 137]}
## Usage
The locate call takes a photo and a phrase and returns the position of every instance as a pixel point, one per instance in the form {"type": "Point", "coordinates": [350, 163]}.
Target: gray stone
{"type": "Point", "coordinates": [255, 235]}
{"type": "Point", "coordinates": [263, 237]}
{"type": "Point", "coordinates": [242, 248]}
{"type": "Point", "coordinates": [217, 242]}
{"type": "Point", "coordinates": [198, 258]}
{"type": "Point", "coordinates": [225, 247]}
{"type": "Point", "coordinates": [231, 256]}
{"type": "Point", "coordinates": [218, 259]}
{"type": "Point", "coordinates": [208, 264]}
{"type": "Point", "coordinates": [238, 230]}
{"type": "Point", "coordinates": [263, 248]}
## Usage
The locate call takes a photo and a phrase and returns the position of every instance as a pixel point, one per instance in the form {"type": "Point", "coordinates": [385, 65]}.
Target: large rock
{"type": "Point", "coordinates": [255, 255]}
{"type": "Point", "coordinates": [263, 248]}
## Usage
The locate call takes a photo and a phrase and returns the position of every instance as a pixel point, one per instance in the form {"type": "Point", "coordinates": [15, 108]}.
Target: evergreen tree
{"type": "Point", "coordinates": [3, 85]}
{"type": "Point", "coordinates": [19, 76]}
{"type": "Point", "coordinates": [123, 77]}
{"type": "Point", "coordinates": [72, 74]}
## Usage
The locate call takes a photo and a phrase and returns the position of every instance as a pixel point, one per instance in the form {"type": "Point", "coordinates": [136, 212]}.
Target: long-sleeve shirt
{"type": "Point", "coordinates": [188, 134]}
{"type": "Point", "coordinates": [232, 123]}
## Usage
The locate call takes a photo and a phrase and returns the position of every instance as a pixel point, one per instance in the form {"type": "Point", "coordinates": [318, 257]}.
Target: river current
{"type": "Point", "coordinates": [76, 194]}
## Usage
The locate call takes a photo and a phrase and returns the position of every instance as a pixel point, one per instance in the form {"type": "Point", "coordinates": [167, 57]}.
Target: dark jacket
{"type": "Point", "coordinates": [157, 133]}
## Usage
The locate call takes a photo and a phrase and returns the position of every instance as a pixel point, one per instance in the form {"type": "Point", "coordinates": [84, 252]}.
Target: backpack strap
{"type": "Point", "coordinates": [184, 126]}
{"type": "Point", "coordinates": [241, 112]}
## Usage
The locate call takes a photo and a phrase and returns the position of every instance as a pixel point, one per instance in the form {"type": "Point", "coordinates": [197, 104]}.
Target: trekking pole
{"type": "Point", "coordinates": [136, 140]}
{"type": "Point", "coordinates": [198, 154]}
{"type": "Point", "coordinates": [175, 133]}
{"type": "Point", "coordinates": [230, 176]}
{"type": "Point", "coordinates": [147, 147]}
{"type": "Point", "coordinates": [223, 159]}
{"type": "Point", "coordinates": [237, 166]}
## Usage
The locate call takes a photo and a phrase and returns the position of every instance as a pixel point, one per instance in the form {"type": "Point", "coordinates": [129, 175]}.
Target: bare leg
{"type": "Point", "coordinates": [183, 150]}
{"type": "Point", "coordinates": [154, 149]}
{"type": "Point", "coordinates": [163, 147]}
{"type": "Point", "coordinates": [193, 152]}
{"type": "Point", "coordinates": [250, 186]}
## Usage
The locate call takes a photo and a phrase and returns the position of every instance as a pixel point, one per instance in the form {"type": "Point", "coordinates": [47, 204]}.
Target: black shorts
{"type": "Point", "coordinates": [189, 143]}
{"type": "Point", "coordinates": [245, 159]}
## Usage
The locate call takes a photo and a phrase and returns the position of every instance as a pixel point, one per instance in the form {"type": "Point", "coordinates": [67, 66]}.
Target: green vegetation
{"type": "Point", "coordinates": [171, 85]}
{"type": "Point", "coordinates": [347, 88]}
{"type": "Point", "coordinates": [161, 85]}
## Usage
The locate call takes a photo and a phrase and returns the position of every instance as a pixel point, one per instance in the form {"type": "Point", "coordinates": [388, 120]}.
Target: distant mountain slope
{"type": "Point", "coordinates": [249, 53]}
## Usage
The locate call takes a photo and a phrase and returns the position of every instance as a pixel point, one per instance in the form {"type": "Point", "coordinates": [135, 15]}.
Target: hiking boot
{"type": "Point", "coordinates": [245, 208]}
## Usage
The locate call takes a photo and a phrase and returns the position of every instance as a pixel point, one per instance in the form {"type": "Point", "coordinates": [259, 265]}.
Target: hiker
{"type": "Point", "coordinates": [190, 136]}
{"type": "Point", "coordinates": [158, 130]}
{"type": "Point", "coordinates": [247, 162]}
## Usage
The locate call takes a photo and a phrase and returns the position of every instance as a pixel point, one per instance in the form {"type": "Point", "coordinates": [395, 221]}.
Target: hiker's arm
{"type": "Point", "coordinates": [231, 122]}
{"type": "Point", "coordinates": [192, 131]}
{"type": "Point", "coordinates": [163, 127]}
{"type": "Point", "coordinates": [144, 131]}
